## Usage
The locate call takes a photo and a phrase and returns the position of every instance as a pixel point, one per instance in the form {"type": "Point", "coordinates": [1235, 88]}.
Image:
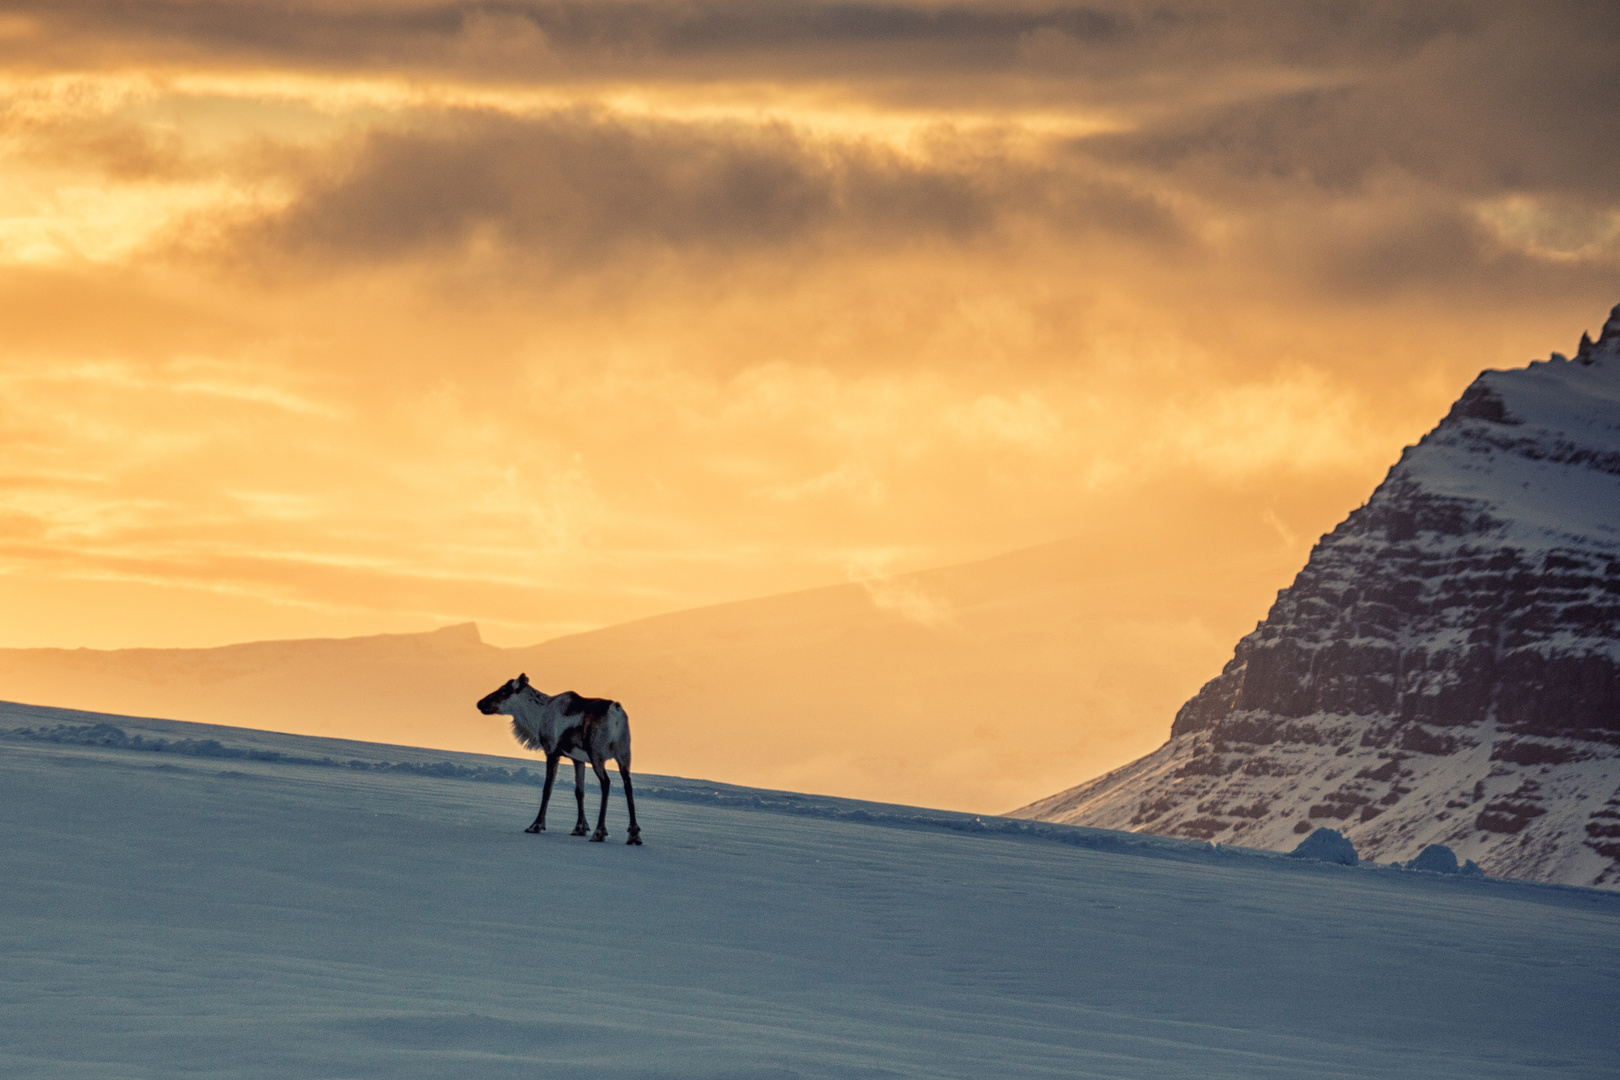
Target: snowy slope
{"type": "Point", "coordinates": [1446, 667]}
{"type": "Point", "coordinates": [227, 903]}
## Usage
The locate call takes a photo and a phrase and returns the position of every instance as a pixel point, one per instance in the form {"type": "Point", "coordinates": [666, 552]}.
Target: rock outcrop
{"type": "Point", "coordinates": [1445, 668]}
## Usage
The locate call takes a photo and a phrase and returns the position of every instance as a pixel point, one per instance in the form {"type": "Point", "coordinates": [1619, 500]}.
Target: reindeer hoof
{"type": "Point", "coordinates": [535, 828]}
{"type": "Point", "coordinates": [635, 838]}
{"type": "Point", "coordinates": [579, 830]}
{"type": "Point", "coordinates": [598, 836]}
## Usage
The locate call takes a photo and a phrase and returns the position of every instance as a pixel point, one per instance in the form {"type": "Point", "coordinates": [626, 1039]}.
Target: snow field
{"type": "Point", "coordinates": [164, 916]}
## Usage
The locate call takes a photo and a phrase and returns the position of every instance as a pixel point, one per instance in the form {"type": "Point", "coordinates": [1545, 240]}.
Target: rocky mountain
{"type": "Point", "coordinates": [1445, 668]}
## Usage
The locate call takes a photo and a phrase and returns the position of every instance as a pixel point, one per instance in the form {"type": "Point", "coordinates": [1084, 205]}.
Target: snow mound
{"type": "Point", "coordinates": [1329, 845]}
{"type": "Point", "coordinates": [1436, 859]}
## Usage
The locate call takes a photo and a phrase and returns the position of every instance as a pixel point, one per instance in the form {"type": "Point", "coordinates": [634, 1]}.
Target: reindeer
{"type": "Point", "coordinates": [581, 728]}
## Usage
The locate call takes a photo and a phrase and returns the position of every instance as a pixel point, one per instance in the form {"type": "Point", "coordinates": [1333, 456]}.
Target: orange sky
{"type": "Point", "coordinates": [325, 318]}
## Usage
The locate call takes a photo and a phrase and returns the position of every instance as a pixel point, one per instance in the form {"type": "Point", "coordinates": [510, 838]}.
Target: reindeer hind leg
{"type": "Point", "coordinates": [629, 800]}
{"type": "Point", "coordinates": [601, 815]}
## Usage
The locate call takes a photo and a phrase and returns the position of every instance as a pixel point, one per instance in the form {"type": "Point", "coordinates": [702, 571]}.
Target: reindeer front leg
{"type": "Point", "coordinates": [545, 794]}
{"type": "Point", "coordinates": [580, 828]}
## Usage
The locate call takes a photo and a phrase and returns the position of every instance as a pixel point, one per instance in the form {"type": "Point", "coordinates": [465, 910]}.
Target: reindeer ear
{"type": "Point", "coordinates": [523, 680]}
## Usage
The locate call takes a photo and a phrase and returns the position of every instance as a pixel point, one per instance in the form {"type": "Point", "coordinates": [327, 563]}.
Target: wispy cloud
{"type": "Point", "coordinates": [905, 597]}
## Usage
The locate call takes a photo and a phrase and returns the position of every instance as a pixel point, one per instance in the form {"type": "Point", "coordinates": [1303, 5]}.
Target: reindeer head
{"type": "Point", "coordinates": [496, 702]}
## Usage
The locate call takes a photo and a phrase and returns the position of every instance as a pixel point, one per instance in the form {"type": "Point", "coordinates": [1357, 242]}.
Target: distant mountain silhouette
{"type": "Point", "coordinates": [390, 687]}
{"type": "Point", "coordinates": [970, 687]}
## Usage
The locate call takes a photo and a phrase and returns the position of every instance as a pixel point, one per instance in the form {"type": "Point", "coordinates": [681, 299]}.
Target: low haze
{"type": "Point", "coordinates": [325, 319]}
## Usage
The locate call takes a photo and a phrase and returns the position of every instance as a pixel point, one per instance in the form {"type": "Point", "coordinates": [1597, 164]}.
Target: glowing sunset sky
{"type": "Point", "coordinates": [324, 318]}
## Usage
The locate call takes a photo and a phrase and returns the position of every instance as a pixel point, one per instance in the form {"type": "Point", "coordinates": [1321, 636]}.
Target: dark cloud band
{"type": "Point", "coordinates": [877, 37]}
{"type": "Point", "coordinates": [580, 187]}
{"type": "Point", "coordinates": [1325, 135]}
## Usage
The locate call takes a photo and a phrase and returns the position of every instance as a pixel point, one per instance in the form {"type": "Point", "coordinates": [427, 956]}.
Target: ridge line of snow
{"type": "Point", "coordinates": [105, 735]}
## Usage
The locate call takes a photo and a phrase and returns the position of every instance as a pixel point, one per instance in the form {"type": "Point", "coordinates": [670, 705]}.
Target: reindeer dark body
{"type": "Point", "coordinates": [584, 730]}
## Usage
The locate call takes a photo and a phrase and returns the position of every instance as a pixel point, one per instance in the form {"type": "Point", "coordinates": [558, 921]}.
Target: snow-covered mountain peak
{"type": "Point", "coordinates": [1445, 668]}
{"type": "Point", "coordinates": [1499, 448]}
{"type": "Point", "coordinates": [1607, 346]}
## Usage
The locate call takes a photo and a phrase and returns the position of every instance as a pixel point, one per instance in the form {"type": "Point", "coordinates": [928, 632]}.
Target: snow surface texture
{"type": "Point", "coordinates": [1446, 667]}
{"type": "Point", "coordinates": [228, 903]}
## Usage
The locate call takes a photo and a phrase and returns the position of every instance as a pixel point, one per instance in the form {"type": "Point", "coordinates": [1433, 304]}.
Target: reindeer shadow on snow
{"type": "Point", "coordinates": [584, 730]}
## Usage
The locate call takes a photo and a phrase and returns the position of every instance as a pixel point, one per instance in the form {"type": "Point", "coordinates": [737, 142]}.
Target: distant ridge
{"type": "Point", "coordinates": [1445, 668]}
{"type": "Point", "coordinates": [465, 633]}
{"type": "Point", "coordinates": [783, 691]}
{"type": "Point", "coordinates": [409, 684]}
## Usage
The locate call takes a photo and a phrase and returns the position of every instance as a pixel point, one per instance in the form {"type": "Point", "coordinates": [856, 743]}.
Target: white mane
{"type": "Point", "coordinates": [529, 714]}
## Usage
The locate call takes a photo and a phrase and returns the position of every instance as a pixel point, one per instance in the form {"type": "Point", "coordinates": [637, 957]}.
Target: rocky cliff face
{"type": "Point", "coordinates": [1446, 667]}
